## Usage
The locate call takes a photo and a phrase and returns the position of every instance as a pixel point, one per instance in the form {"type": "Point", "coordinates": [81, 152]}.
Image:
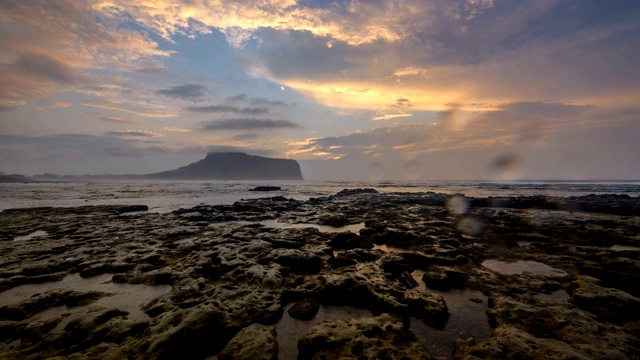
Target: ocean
{"type": "Point", "coordinates": [166, 196]}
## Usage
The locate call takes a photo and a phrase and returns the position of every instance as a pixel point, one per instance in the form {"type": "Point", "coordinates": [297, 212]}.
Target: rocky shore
{"type": "Point", "coordinates": [420, 276]}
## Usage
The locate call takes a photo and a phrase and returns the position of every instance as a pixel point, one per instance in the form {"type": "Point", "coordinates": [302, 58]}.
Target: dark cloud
{"type": "Point", "coordinates": [7, 107]}
{"type": "Point", "coordinates": [191, 92]}
{"type": "Point", "coordinates": [247, 124]}
{"type": "Point", "coordinates": [242, 137]}
{"type": "Point", "coordinates": [540, 108]}
{"type": "Point", "coordinates": [123, 152]}
{"type": "Point", "coordinates": [258, 101]}
{"type": "Point", "coordinates": [250, 151]}
{"type": "Point", "coordinates": [403, 103]}
{"type": "Point", "coordinates": [225, 109]}
{"type": "Point", "coordinates": [152, 71]}
{"type": "Point", "coordinates": [237, 98]}
{"type": "Point", "coordinates": [136, 133]}
{"type": "Point", "coordinates": [44, 67]}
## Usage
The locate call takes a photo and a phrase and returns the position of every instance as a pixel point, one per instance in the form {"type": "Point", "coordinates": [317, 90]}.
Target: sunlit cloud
{"type": "Point", "coordinates": [176, 129]}
{"type": "Point", "coordinates": [149, 110]}
{"type": "Point", "coordinates": [410, 70]}
{"type": "Point", "coordinates": [62, 105]}
{"type": "Point", "coordinates": [353, 23]}
{"type": "Point", "coordinates": [390, 116]}
{"type": "Point", "coordinates": [135, 133]}
{"type": "Point", "coordinates": [47, 44]}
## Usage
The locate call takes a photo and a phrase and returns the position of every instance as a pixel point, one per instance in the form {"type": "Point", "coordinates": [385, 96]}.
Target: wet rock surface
{"type": "Point", "coordinates": [252, 343]}
{"type": "Point", "coordinates": [382, 337]}
{"type": "Point", "coordinates": [223, 270]}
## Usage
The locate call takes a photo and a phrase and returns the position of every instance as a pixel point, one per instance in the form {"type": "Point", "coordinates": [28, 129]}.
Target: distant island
{"type": "Point", "coordinates": [234, 166]}
{"type": "Point", "coordinates": [14, 178]}
{"type": "Point", "coordinates": [215, 166]}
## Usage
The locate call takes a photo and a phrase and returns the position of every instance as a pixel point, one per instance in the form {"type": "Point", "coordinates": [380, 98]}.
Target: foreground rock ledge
{"type": "Point", "coordinates": [228, 272]}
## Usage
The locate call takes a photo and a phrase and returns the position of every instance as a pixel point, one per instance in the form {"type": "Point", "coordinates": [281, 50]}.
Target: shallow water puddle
{"type": "Point", "coordinates": [559, 296]}
{"type": "Point", "coordinates": [185, 240]}
{"type": "Point", "coordinates": [290, 330]}
{"type": "Point", "coordinates": [275, 224]}
{"type": "Point", "coordinates": [520, 266]}
{"type": "Point", "coordinates": [624, 248]}
{"type": "Point", "coordinates": [390, 249]}
{"type": "Point", "coordinates": [354, 228]}
{"type": "Point", "coordinates": [38, 233]}
{"type": "Point", "coordinates": [467, 319]}
{"type": "Point", "coordinates": [126, 297]}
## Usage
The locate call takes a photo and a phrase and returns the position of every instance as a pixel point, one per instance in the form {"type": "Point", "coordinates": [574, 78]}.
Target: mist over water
{"type": "Point", "coordinates": [171, 195]}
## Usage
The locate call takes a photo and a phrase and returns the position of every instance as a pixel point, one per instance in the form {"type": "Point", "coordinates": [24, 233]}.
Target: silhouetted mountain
{"type": "Point", "coordinates": [235, 166]}
{"type": "Point", "coordinates": [15, 178]}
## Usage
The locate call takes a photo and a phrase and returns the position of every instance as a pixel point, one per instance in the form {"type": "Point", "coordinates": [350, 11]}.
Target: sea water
{"type": "Point", "coordinates": [166, 196]}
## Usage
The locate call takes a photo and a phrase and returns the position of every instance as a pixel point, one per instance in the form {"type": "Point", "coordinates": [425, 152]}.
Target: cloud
{"type": "Point", "coordinates": [237, 98]}
{"type": "Point", "coordinates": [383, 116]}
{"type": "Point", "coordinates": [243, 137]}
{"type": "Point", "coordinates": [409, 71]}
{"type": "Point", "coordinates": [116, 119]}
{"type": "Point", "coordinates": [62, 105]}
{"type": "Point", "coordinates": [353, 23]}
{"type": "Point", "coordinates": [510, 124]}
{"type": "Point", "coordinates": [176, 129]}
{"type": "Point", "coordinates": [75, 154]}
{"type": "Point", "coordinates": [141, 108]}
{"type": "Point", "coordinates": [190, 92]}
{"type": "Point", "coordinates": [266, 102]}
{"type": "Point", "coordinates": [250, 151]}
{"type": "Point", "coordinates": [51, 43]}
{"type": "Point", "coordinates": [247, 124]}
{"type": "Point", "coordinates": [44, 67]}
{"type": "Point", "coordinates": [152, 71]}
{"type": "Point", "coordinates": [225, 109]}
{"type": "Point", "coordinates": [123, 152]}
{"type": "Point", "coordinates": [7, 107]}
{"type": "Point", "coordinates": [135, 133]}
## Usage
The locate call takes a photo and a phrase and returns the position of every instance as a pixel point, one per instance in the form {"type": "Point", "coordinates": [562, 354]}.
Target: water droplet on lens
{"type": "Point", "coordinates": [470, 226]}
{"type": "Point", "coordinates": [375, 171]}
{"type": "Point", "coordinates": [412, 169]}
{"type": "Point", "coordinates": [457, 204]}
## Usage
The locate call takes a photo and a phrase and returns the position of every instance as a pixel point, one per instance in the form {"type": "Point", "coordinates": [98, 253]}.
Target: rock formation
{"type": "Point", "coordinates": [235, 166]}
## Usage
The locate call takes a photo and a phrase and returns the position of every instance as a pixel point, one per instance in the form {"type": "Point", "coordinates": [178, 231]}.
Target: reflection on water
{"type": "Point", "coordinates": [185, 240]}
{"type": "Point", "coordinates": [275, 224]}
{"type": "Point", "coordinates": [520, 266]}
{"type": "Point", "coordinates": [467, 319]}
{"type": "Point", "coordinates": [34, 234]}
{"type": "Point", "coordinates": [559, 295]}
{"type": "Point", "coordinates": [624, 248]}
{"type": "Point", "coordinates": [290, 330]}
{"type": "Point", "coordinates": [166, 196]}
{"type": "Point", "coordinates": [390, 249]}
{"type": "Point", "coordinates": [126, 297]}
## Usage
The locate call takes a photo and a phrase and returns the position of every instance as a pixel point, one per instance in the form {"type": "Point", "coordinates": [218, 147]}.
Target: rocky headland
{"type": "Point", "coordinates": [234, 166]}
{"type": "Point", "coordinates": [419, 276]}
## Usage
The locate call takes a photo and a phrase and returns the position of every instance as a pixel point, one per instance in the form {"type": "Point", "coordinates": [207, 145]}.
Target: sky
{"type": "Point", "coordinates": [354, 90]}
